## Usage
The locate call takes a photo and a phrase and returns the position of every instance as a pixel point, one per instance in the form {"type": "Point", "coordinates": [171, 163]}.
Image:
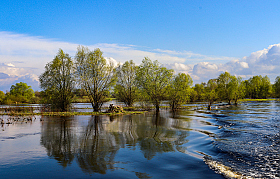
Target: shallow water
{"type": "Point", "coordinates": [235, 142]}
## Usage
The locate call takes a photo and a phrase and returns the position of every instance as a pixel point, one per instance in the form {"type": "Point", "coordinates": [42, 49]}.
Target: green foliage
{"type": "Point", "coordinates": [58, 82]}
{"type": "Point", "coordinates": [211, 94]}
{"type": "Point", "coordinates": [81, 93]}
{"type": "Point", "coordinates": [237, 89]}
{"type": "Point", "coordinates": [2, 97]}
{"type": "Point", "coordinates": [197, 92]}
{"type": "Point", "coordinates": [21, 93]}
{"type": "Point", "coordinates": [276, 87]}
{"type": "Point", "coordinates": [94, 75]}
{"type": "Point", "coordinates": [225, 87]}
{"type": "Point", "coordinates": [258, 87]}
{"type": "Point", "coordinates": [179, 90]}
{"type": "Point", "coordinates": [126, 89]}
{"type": "Point", "coordinates": [153, 80]}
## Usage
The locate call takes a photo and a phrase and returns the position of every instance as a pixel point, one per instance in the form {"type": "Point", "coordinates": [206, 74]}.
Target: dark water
{"type": "Point", "coordinates": [249, 141]}
{"type": "Point", "coordinates": [236, 142]}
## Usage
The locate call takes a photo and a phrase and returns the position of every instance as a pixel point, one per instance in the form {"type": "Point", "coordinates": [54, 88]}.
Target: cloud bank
{"type": "Point", "coordinates": [23, 58]}
{"type": "Point", "coordinates": [263, 62]}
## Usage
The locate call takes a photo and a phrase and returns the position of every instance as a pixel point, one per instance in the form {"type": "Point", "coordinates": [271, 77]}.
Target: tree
{"type": "Point", "coordinates": [258, 87]}
{"type": "Point", "coordinates": [58, 82]}
{"type": "Point", "coordinates": [197, 93]}
{"type": "Point", "coordinates": [21, 92]}
{"type": "Point", "coordinates": [266, 88]}
{"type": "Point", "coordinates": [95, 75]}
{"type": "Point", "coordinates": [225, 86]}
{"type": "Point", "coordinates": [211, 94]}
{"type": "Point", "coordinates": [153, 80]}
{"type": "Point", "coordinates": [276, 87]}
{"type": "Point", "coordinates": [179, 90]}
{"type": "Point", "coordinates": [2, 97]}
{"type": "Point", "coordinates": [237, 88]}
{"type": "Point", "coordinates": [126, 89]}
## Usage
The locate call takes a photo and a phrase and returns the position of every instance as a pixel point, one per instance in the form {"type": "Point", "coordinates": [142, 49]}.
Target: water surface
{"type": "Point", "coordinates": [240, 141]}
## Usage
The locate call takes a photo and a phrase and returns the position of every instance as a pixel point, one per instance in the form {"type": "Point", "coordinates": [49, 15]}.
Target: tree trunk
{"type": "Point", "coordinates": [209, 106]}
{"type": "Point", "coordinates": [95, 107]}
{"type": "Point", "coordinates": [157, 108]}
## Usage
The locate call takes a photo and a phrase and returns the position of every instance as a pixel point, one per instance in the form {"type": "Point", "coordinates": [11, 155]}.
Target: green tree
{"type": "Point", "coordinates": [95, 75]}
{"type": "Point", "coordinates": [21, 92]}
{"type": "Point", "coordinates": [2, 97]}
{"type": "Point", "coordinates": [153, 80]}
{"type": "Point", "coordinates": [179, 90]}
{"type": "Point", "coordinates": [266, 88]}
{"type": "Point", "coordinates": [126, 89]}
{"type": "Point", "coordinates": [200, 90]}
{"type": "Point", "coordinates": [258, 87]}
{"type": "Point", "coordinates": [197, 93]}
{"type": "Point", "coordinates": [276, 87]}
{"type": "Point", "coordinates": [58, 82]}
{"type": "Point", "coordinates": [210, 93]}
{"type": "Point", "coordinates": [225, 88]}
{"type": "Point", "coordinates": [237, 89]}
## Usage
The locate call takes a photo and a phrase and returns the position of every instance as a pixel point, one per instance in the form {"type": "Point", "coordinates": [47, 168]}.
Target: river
{"type": "Point", "coordinates": [235, 142]}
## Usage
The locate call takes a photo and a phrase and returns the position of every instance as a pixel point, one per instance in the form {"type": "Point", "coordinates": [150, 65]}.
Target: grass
{"type": "Point", "coordinates": [17, 109]}
{"type": "Point", "coordinates": [246, 100]}
{"type": "Point", "coordinates": [85, 99]}
{"type": "Point", "coordinates": [73, 113]}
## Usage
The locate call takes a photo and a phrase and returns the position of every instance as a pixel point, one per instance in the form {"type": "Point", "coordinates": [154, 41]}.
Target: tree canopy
{"type": "Point", "coordinates": [179, 90]}
{"type": "Point", "coordinates": [126, 89]}
{"type": "Point", "coordinates": [21, 92]}
{"type": "Point", "coordinates": [58, 82]}
{"type": "Point", "coordinates": [258, 87]}
{"type": "Point", "coordinates": [95, 75]}
{"type": "Point", "coordinates": [153, 80]}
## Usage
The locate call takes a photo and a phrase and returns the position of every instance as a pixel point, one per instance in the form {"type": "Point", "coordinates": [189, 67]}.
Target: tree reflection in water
{"type": "Point", "coordinates": [60, 140]}
{"type": "Point", "coordinates": [160, 138]}
{"type": "Point", "coordinates": [95, 144]}
{"type": "Point", "coordinates": [97, 148]}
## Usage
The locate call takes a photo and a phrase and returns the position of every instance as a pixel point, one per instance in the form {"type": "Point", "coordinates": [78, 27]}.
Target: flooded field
{"type": "Point", "coordinates": [242, 141]}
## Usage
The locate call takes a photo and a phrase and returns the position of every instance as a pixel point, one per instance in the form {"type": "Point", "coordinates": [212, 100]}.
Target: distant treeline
{"type": "Point", "coordinates": [88, 77]}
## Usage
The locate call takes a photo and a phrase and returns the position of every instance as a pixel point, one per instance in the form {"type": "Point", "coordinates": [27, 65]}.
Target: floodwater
{"type": "Point", "coordinates": [235, 142]}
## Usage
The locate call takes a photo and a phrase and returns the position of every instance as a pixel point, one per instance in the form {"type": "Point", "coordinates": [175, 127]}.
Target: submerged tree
{"type": "Point", "coordinates": [126, 89]}
{"type": "Point", "coordinates": [237, 89]}
{"type": "Point", "coordinates": [58, 82]}
{"type": "Point", "coordinates": [225, 87]}
{"type": "Point", "coordinates": [153, 80]}
{"type": "Point", "coordinates": [211, 94]}
{"type": "Point", "coordinates": [95, 75]}
{"type": "Point", "coordinates": [179, 90]}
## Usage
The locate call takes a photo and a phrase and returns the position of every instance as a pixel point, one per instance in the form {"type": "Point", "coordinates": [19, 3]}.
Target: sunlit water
{"type": "Point", "coordinates": [235, 142]}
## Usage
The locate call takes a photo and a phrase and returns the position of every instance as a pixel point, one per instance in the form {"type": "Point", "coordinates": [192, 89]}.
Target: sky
{"type": "Point", "coordinates": [201, 38]}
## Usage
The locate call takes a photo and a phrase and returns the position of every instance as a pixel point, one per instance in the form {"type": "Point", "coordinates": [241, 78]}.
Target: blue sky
{"type": "Point", "coordinates": [202, 38]}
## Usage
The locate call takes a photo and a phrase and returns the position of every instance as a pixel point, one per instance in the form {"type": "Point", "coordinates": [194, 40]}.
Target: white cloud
{"type": "Point", "coordinates": [265, 62]}
{"type": "Point", "coordinates": [10, 65]}
{"type": "Point", "coordinates": [204, 71]}
{"type": "Point", "coordinates": [112, 60]}
{"type": "Point", "coordinates": [10, 74]}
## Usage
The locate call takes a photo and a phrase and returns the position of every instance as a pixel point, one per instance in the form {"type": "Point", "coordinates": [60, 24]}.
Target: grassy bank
{"type": "Point", "coordinates": [71, 113]}
{"type": "Point", "coordinates": [248, 100]}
